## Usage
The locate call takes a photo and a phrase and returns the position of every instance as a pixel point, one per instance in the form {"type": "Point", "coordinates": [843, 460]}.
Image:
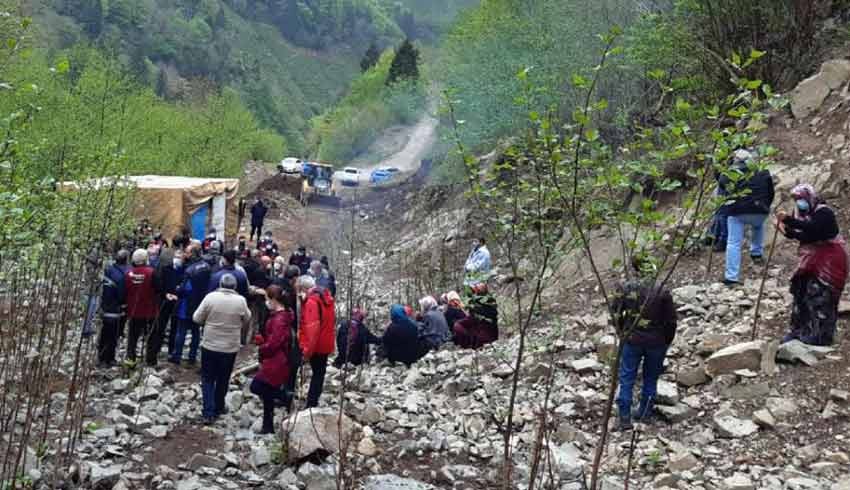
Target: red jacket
{"type": "Point", "coordinates": [141, 293]}
{"type": "Point", "coordinates": [274, 351]}
{"type": "Point", "coordinates": [317, 330]}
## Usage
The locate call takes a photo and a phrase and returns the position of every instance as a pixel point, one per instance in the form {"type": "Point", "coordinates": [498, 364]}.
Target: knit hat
{"type": "Point", "coordinates": [140, 257]}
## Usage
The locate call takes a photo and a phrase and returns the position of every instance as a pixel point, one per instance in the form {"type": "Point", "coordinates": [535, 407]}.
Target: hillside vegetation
{"type": "Point", "coordinates": [289, 60]}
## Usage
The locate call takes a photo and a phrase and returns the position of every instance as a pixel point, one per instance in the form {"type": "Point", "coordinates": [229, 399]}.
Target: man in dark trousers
{"type": "Point", "coordinates": [645, 317]}
{"type": "Point", "coordinates": [258, 215]}
{"type": "Point", "coordinates": [112, 308]}
{"type": "Point", "coordinates": [142, 309]}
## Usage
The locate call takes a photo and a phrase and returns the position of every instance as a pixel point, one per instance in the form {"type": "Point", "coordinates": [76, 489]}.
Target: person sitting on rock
{"type": "Point", "coordinates": [434, 330]}
{"type": "Point", "coordinates": [645, 318]}
{"type": "Point", "coordinates": [401, 341]}
{"type": "Point", "coordinates": [274, 349]}
{"type": "Point", "coordinates": [821, 275]}
{"type": "Point", "coordinates": [353, 339]}
{"type": "Point", "coordinates": [481, 327]}
{"type": "Point", "coordinates": [454, 310]}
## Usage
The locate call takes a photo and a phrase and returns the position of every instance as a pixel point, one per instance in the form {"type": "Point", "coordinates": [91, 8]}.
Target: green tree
{"type": "Point", "coordinates": [370, 58]}
{"type": "Point", "coordinates": [405, 65]}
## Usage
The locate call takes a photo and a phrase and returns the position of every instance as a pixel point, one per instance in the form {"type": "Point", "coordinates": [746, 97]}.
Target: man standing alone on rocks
{"type": "Point", "coordinates": [223, 313]}
{"type": "Point", "coordinates": [645, 318]}
{"type": "Point", "coordinates": [316, 333]}
{"type": "Point", "coordinates": [753, 194]}
{"type": "Point", "coordinates": [258, 216]}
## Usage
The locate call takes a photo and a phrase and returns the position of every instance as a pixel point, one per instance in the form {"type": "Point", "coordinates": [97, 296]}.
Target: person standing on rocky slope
{"type": "Point", "coordinates": [141, 286]}
{"type": "Point", "coordinates": [274, 350]}
{"type": "Point", "coordinates": [224, 314]}
{"type": "Point", "coordinates": [478, 264]}
{"type": "Point", "coordinates": [645, 318]}
{"type": "Point", "coordinates": [821, 275]}
{"type": "Point", "coordinates": [316, 333]}
{"type": "Point", "coordinates": [258, 217]}
{"type": "Point", "coordinates": [753, 194]}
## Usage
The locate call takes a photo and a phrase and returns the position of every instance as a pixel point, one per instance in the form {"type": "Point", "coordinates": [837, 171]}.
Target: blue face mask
{"type": "Point", "coordinates": [803, 205]}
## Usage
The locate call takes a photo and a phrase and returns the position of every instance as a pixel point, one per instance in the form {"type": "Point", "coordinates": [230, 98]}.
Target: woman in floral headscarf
{"type": "Point", "coordinates": [822, 272]}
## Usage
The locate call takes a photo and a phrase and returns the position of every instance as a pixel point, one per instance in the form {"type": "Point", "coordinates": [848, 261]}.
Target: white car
{"type": "Point", "coordinates": [290, 166]}
{"type": "Point", "coordinates": [350, 176]}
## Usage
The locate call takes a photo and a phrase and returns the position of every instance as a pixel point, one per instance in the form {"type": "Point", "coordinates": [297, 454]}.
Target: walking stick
{"type": "Point", "coordinates": [764, 280]}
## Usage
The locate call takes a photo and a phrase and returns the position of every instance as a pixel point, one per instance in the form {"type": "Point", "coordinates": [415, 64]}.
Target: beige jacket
{"type": "Point", "coordinates": [223, 313]}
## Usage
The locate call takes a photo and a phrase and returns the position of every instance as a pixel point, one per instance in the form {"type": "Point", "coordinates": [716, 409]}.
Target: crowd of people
{"type": "Point", "coordinates": [225, 298]}
{"type": "Point", "coordinates": [222, 299]}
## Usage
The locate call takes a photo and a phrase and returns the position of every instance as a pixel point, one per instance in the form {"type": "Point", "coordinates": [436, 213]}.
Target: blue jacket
{"type": "Point", "coordinates": [184, 291]}
{"type": "Point", "coordinates": [113, 294]}
{"type": "Point", "coordinates": [198, 279]}
{"type": "Point", "coordinates": [241, 280]}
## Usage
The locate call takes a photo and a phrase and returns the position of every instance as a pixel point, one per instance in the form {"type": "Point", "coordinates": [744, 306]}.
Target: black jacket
{"type": "Point", "coordinates": [358, 352]}
{"type": "Point", "coordinates": [657, 321]}
{"type": "Point", "coordinates": [820, 227]}
{"type": "Point", "coordinates": [198, 273]}
{"type": "Point", "coordinates": [258, 214]}
{"type": "Point", "coordinates": [757, 193]}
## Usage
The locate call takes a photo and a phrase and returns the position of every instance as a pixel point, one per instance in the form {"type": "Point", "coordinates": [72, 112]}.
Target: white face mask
{"type": "Point", "coordinates": [269, 305]}
{"type": "Point", "coordinates": [178, 263]}
{"type": "Point", "coordinates": [302, 295]}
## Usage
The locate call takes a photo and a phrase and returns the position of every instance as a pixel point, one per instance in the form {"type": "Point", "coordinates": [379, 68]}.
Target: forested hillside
{"type": "Point", "coordinates": [288, 59]}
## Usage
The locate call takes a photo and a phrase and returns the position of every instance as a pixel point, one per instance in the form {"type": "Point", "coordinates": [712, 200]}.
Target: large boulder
{"type": "Point", "coordinates": [757, 356]}
{"type": "Point", "coordinates": [808, 96]}
{"type": "Point", "coordinates": [316, 430]}
{"type": "Point", "coordinates": [835, 73]}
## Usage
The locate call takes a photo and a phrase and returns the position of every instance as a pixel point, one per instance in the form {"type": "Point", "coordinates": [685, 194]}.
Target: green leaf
{"type": "Point", "coordinates": [591, 135]}
{"type": "Point", "coordinates": [756, 54]}
{"type": "Point", "coordinates": [753, 84]}
{"type": "Point", "coordinates": [579, 81]}
{"type": "Point", "coordinates": [63, 66]}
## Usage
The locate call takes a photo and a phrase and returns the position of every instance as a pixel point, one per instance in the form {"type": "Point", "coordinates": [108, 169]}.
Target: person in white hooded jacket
{"type": "Point", "coordinates": [478, 264]}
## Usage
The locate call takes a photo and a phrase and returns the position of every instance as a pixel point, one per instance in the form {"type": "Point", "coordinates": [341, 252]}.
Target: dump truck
{"type": "Point", "coordinates": [317, 184]}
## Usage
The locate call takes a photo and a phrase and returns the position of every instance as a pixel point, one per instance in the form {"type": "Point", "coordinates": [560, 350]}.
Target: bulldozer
{"type": "Point", "coordinates": [318, 186]}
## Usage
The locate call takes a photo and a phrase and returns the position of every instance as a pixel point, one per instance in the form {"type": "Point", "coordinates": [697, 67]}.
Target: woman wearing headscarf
{"type": "Point", "coordinates": [274, 348]}
{"type": "Point", "coordinates": [821, 275]}
{"type": "Point", "coordinates": [352, 340]}
{"type": "Point", "coordinates": [454, 309]}
{"type": "Point", "coordinates": [434, 331]}
{"type": "Point", "coordinates": [481, 327]}
{"type": "Point", "coordinates": [401, 340]}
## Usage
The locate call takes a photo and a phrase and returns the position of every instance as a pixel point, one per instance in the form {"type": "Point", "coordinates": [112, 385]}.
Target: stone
{"type": "Point", "coordinates": [781, 407]}
{"type": "Point", "coordinates": [668, 393]}
{"type": "Point", "coordinates": [843, 484]}
{"type": "Point", "coordinates": [606, 347]}
{"type": "Point", "coordinates": [801, 483]}
{"type": "Point", "coordinates": [393, 482]}
{"type": "Point", "coordinates": [747, 355]}
{"type": "Point", "coordinates": [746, 391]}
{"type": "Point", "coordinates": [728, 425]}
{"type": "Point", "coordinates": [835, 73]}
{"type": "Point", "coordinates": [157, 431]}
{"type": "Point", "coordinates": [316, 430]}
{"type": "Point", "coordinates": [198, 461]}
{"type": "Point", "coordinates": [586, 366]}
{"type": "Point", "coordinates": [682, 462]}
{"type": "Point", "coordinates": [233, 400]}
{"type": "Point", "coordinates": [714, 342]}
{"type": "Point", "coordinates": [567, 462]}
{"type": "Point", "coordinates": [260, 456]}
{"type": "Point", "coordinates": [764, 419]}
{"type": "Point", "coordinates": [692, 376]}
{"type": "Point", "coordinates": [808, 96]}
{"type": "Point", "coordinates": [193, 483]}
{"type": "Point", "coordinates": [796, 351]}
{"type": "Point", "coordinates": [665, 480]}
{"type": "Point", "coordinates": [738, 481]}
{"type": "Point", "coordinates": [677, 413]}
{"type": "Point", "coordinates": [808, 454]}
{"type": "Point", "coordinates": [367, 447]}
{"type": "Point", "coordinates": [837, 141]}
{"type": "Point", "coordinates": [840, 396]}
{"type": "Point", "coordinates": [837, 457]}
{"type": "Point", "coordinates": [104, 477]}
{"type": "Point", "coordinates": [287, 478]}
{"type": "Point", "coordinates": [824, 467]}
{"type": "Point", "coordinates": [371, 414]}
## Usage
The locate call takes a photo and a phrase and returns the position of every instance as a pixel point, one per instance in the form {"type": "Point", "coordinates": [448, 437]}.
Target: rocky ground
{"type": "Point", "coordinates": [737, 411]}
